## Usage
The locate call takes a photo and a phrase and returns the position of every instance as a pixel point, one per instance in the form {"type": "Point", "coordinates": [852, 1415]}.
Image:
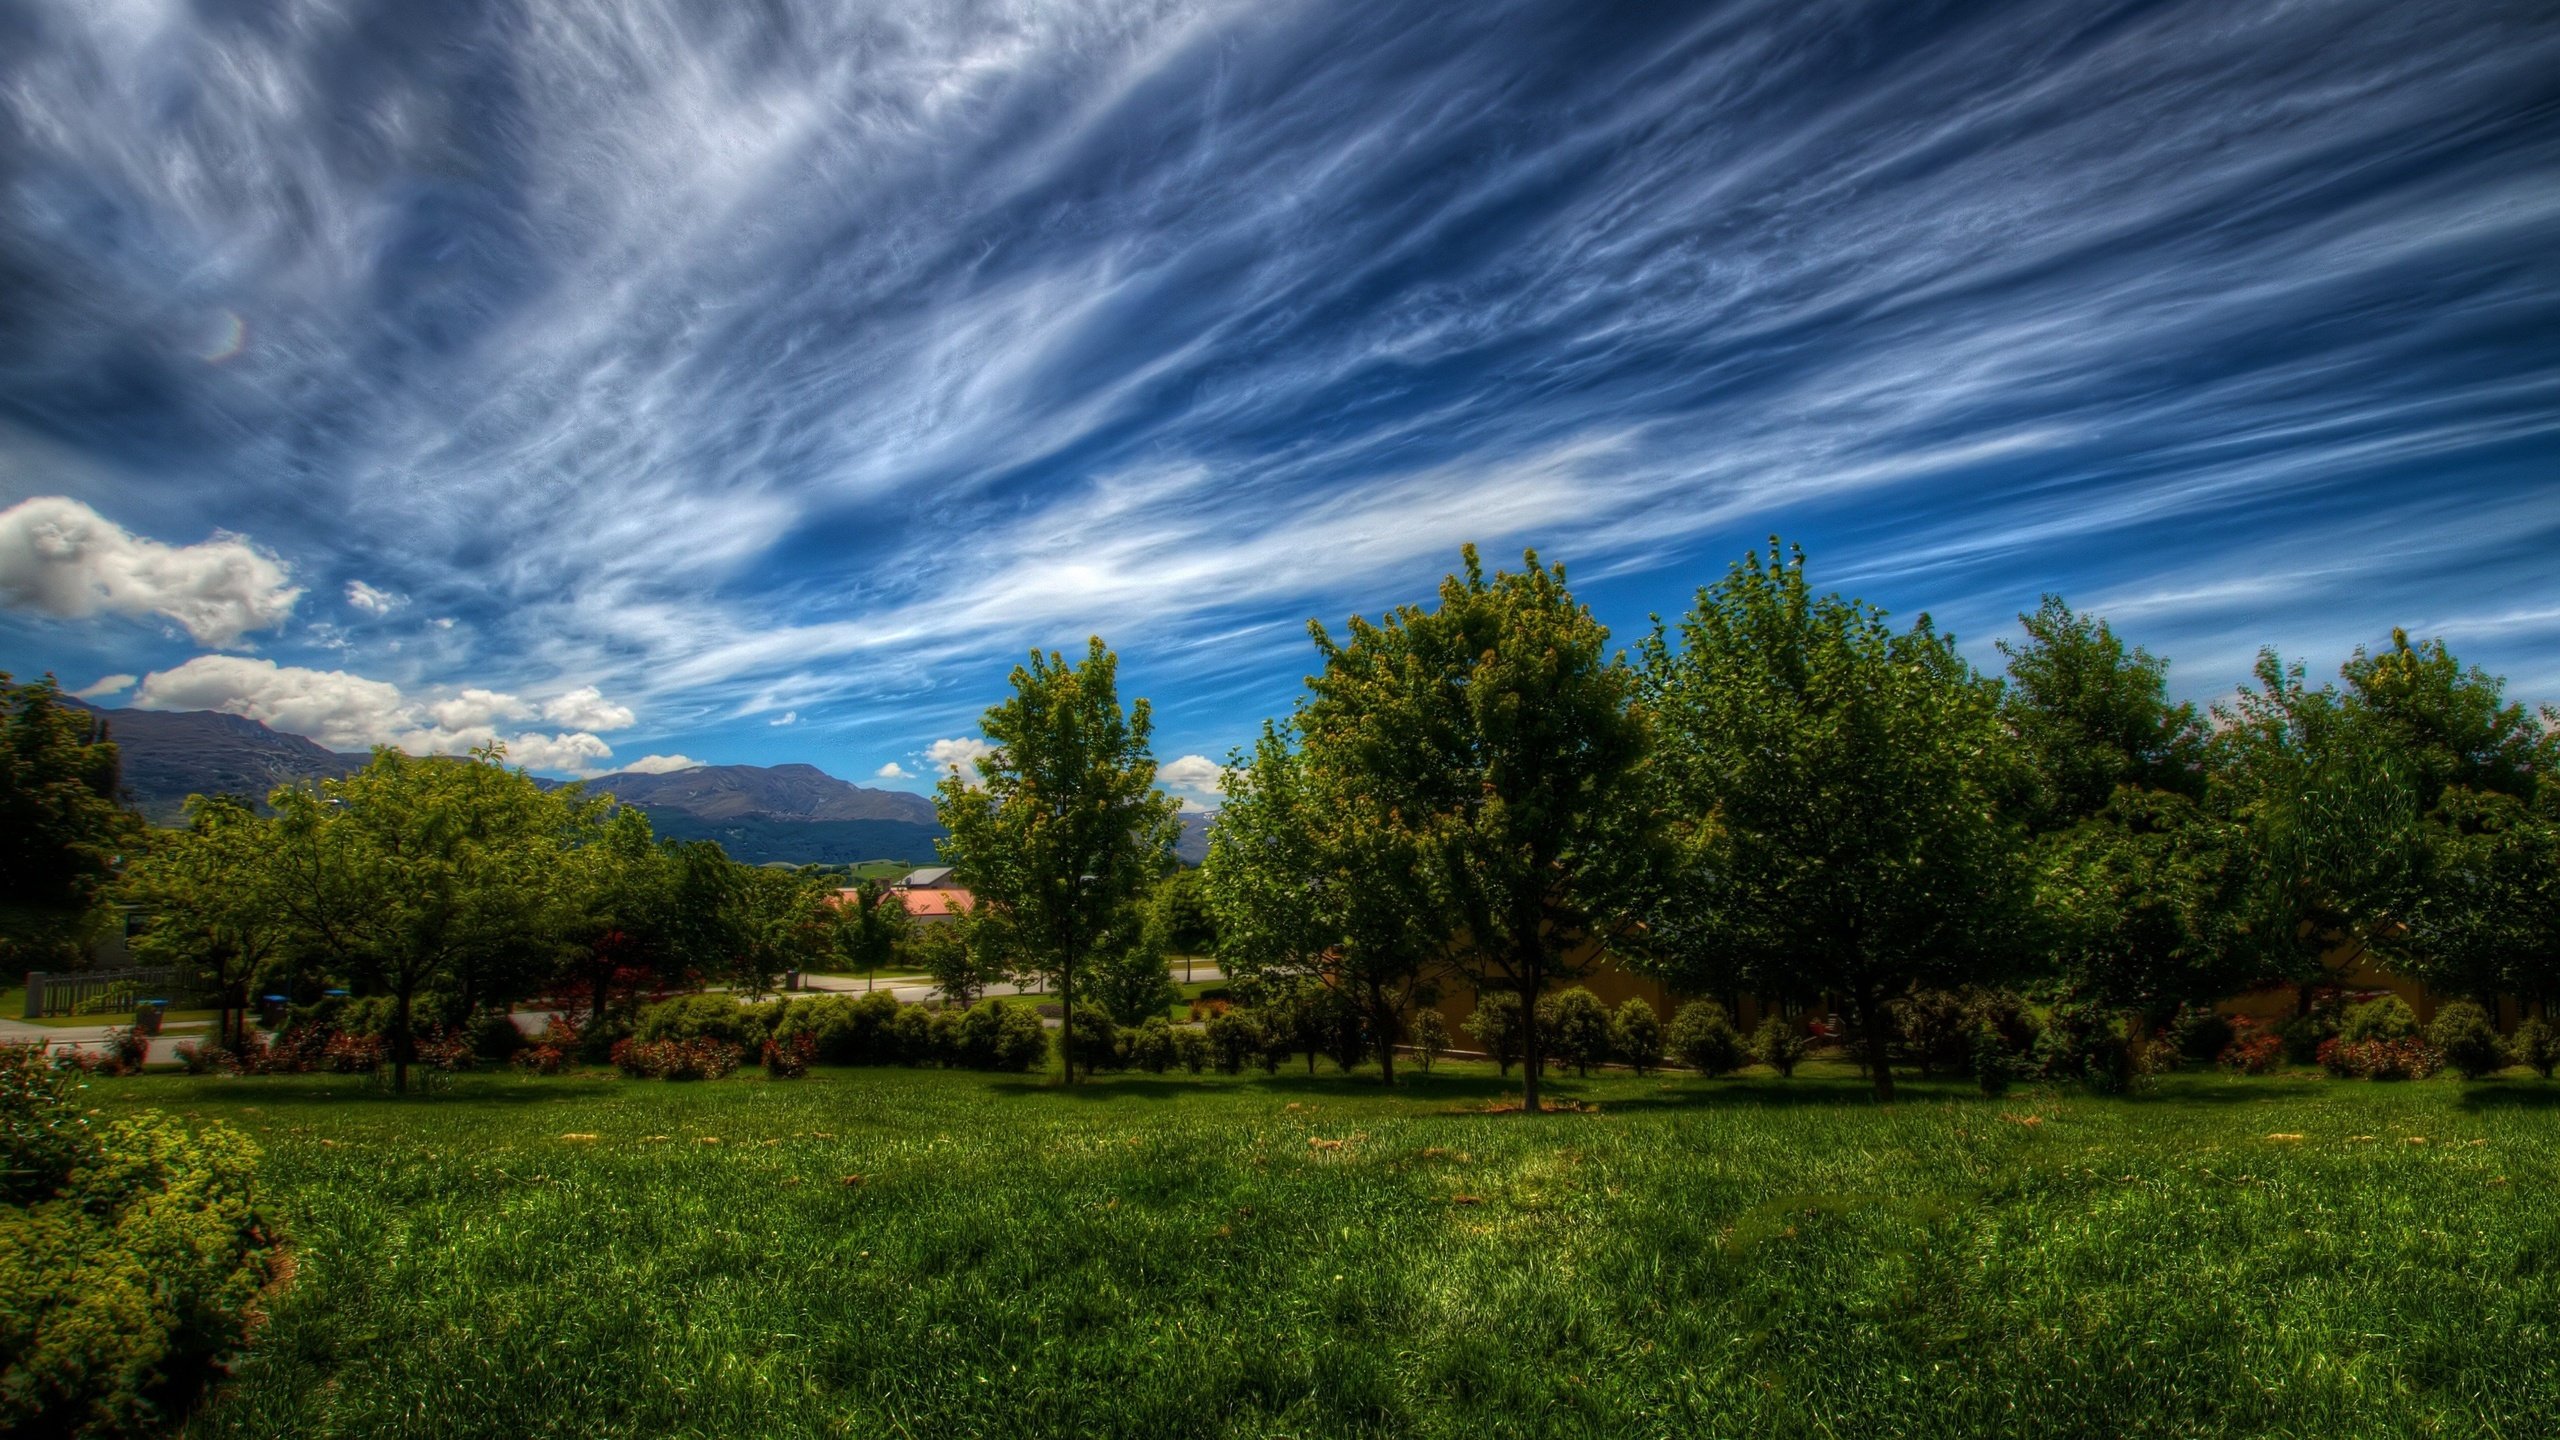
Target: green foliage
{"type": "Point", "coordinates": [1577, 1027]}
{"type": "Point", "coordinates": [2143, 902]}
{"type": "Point", "coordinates": [1840, 788]}
{"type": "Point", "coordinates": [2094, 718]}
{"type": "Point", "coordinates": [1093, 1042]}
{"type": "Point", "coordinates": [1495, 1027]}
{"type": "Point", "coordinates": [2536, 1047]}
{"type": "Point", "coordinates": [1430, 1038]}
{"type": "Point", "coordinates": [872, 927]}
{"type": "Point", "coordinates": [1703, 1038]}
{"type": "Point", "coordinates": [910, 1035]}
{"type": "Point", "coordinates": [1179, 917]}
{"type": "Point", "coordinates": [1151, 1045]}
{"type": "Point", "coordinates": [1191, 1048]}
{"type": "Point", "coordinates": [208, 891]}
{"type": "Point", "coordinates": [714, 1015]}
{"type": "Point", "coordinates": [2469, 1041]}
{"type": "Point", "coordinates": [2200, 1032]}
{"type": "Point", "coordinates": [995, 1035]}
{"type": "Point", "coordinates": [961, 970]}
{"type": "Point", "coordinates": [129, 1257]}
{"type": "Point", "coordinates": [1779, 1045]}
{"type": "Point", "coordinates": [2385, 1017]}
{"type": "Point", "coordinates": [1235, 1040]}
{"type": "Point", "coordinates": [2085, 1042]}
{"type": "Point", "coordinates": [1064, 828]}
{"type": "Point", "coordinates": [1131, 983]}
{"type": "Point", "coordinates": [1635, 1034]}
{"type": "Point", "coordinates": [1931, 1030]}
{"type": "Point", "coordinates": [61, 829]}
{"type": "Point", "coordinates": [494, 1036]}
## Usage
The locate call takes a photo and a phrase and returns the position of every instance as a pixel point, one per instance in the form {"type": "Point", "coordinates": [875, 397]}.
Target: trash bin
{"type": "Point", "coordinates": [271, 1009]}
{"type": "Point", "coordinates": [147, 1015]}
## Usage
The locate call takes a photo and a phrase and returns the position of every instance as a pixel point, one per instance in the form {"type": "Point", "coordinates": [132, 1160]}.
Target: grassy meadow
{"type": "Point", "coordinates": [888, 1252]}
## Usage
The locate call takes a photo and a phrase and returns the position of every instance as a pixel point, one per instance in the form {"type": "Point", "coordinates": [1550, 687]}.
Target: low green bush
{"type": "Point", "coordinates": [1495, 1027]}
{"type": "Point", "coordinates": [1574, 1026]}
{"type": "Point", "coordinates": [1191, 1048]}
{"type": "Point", "coordinates": [2536, 1047]}
{"type": "Point", "coordinates": [2386, 1018]}
{"type": "Point", "coordinates": [1779, 1045]}
{"type": "Point", "coordinates": [1931, 1031]}
{"type": "Point", "coordinates": [1151, 1045]}
{"type": "Point", "coordinates": [2469, 1042]}
{"type": "Point", "coordinates": [708, 1016]}
{"type": "Point", "coordinates": [1235, 1040]}
{"type": "Point", "coordinates": [495, 1037]}
{"type": "Point", "coordinates": [129, 1259]}
{"type": "Point", "coordinates": [1703, 1038]}
{"type": "Point", "coordinates": [1097, 1040]}
{"type": "Point", "coordinates": [1635, 1032]}
{"type": "Point", "coordinates": [2200, 1032]}
{"type": "Point", "coordinates": [1430, 1038]}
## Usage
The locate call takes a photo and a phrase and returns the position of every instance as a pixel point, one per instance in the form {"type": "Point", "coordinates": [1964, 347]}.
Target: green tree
{"type": "Point", "coordinates": [1494, 739]}
{"type": "Point", "coordinates": [1838, 784]}
{"type": "Point", "coordinates": [2450, 726]}
{"type": "Point", "coordinates": [62, 832]}
{"type": "Point", "coordinates": [209, 892]}
{"type": "Point", "coordinates": [2484, 916]}
{"type": "Point", "coordinates": [2094, 716]}
{"type": "Point", "coordinates": [1179, 918]}
{"type": "Point", "coordinates": [874, 927]}
{"type": "Point", "coordinates": [786, 923]}
{"type": "Point", "coordinates": [417, 873]}
{"type": "Point", "coordinates": [1065, 827]}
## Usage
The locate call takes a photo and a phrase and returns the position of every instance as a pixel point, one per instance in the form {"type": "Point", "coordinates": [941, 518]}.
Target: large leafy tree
{"type": "Point", "coordinates": [439, 873]}
{"type": "Point", "coordinates": [2485, 920]}
{"type": "Point", "coordinates": [62, 831]}
{"type": "Point", "coordinates": [2447, 726]}
{"type": "Point", "coordinates": [1063, 827]}
{"type": "Point", "coordinates": [210, 894]}
{"type": "Point", "coordinates": [1491, 745]}
{"type": "Point", "coordinates": [2094, 715]}
{"type": "Point", "coordinates": [1838, 782]}
{"type": "Point", "coordinates": [1304, 891]}
{"type": "Point", "coordinates": [872, 927]}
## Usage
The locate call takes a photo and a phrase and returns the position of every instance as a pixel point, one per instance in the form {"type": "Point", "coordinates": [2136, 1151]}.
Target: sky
{"type": "Point", "coordinates": [751, 381]}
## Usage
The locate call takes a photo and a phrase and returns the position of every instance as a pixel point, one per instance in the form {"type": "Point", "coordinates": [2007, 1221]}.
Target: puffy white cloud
{"type": "Point", "coordinates": [587, 709]}
{"type": "Point", "coordinates": [103, 686]}
{"type": "Point", "coordinates": [661, 764]}
{"type": "Point", "coordinates": [892, 771]}
{"type": "Point", "coordinates": [60, 557]}
{"type": "Point", "coordinates": [958, 754]}
{"type": "Point", "coordinates": [787, 717]}
{"type": "Point", "coordinates": [351, 712]}
{"type": "Point", "coordinates": [372, 601]}
{"type": "Point", "coordinates": [1194, 774]}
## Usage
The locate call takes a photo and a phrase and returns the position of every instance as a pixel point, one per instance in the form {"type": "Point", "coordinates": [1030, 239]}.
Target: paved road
{"type": "Point", "coordinates": [164, 1048]}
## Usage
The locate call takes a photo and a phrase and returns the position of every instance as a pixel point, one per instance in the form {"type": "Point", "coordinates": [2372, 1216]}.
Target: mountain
{"type": "Point", "coordinates": [781, 812]}
{"type": "Point", "coordinates": [1191, 847]}
{"type": "Point", "coordinates": [171, 754]}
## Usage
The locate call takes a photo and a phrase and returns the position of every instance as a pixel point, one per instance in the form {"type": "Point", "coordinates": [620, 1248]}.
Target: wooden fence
{"type": "Point", "coordinates": [99, 992]}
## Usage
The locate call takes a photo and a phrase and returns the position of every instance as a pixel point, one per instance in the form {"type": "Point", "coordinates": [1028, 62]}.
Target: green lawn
{"type": "Point", "coordinates": [1174, 1257]}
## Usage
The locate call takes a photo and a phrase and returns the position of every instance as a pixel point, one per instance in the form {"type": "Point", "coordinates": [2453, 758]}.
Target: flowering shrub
{"type": "Point", "coordinates": [2254, 1049]}
{"type": "Point", "coordinates": [197, 1058]}
{"type": "Point", "coordinates": [788, 1059]}
{"type": "Point", "coordinates": [2404, 1059]}
{"type": "Point", "coordinates": [450, 1051]}
{"type": "Point", "coordinates": [350, 1054]}
{"type": "Point", "coordinates": [552, 1051]}
{"type": "Point", "coordinates": [701, 1058]}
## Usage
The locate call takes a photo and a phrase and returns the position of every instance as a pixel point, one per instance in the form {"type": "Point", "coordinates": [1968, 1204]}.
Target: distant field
{"type": "Point", "coordinates": [952, 1254]}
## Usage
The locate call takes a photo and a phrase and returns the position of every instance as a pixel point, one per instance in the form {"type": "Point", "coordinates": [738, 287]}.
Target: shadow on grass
{"type": "Point", "coordinates": [2504, 1094]}
{"type": "Point", "coordinates": [352, 1090]}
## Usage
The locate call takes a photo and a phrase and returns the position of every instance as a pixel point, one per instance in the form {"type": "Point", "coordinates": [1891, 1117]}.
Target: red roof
{"type": "Point", "coordinates": [933, 903]}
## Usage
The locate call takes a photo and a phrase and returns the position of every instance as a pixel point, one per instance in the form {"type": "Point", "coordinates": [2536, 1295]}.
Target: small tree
{"type": "Point", "coordinates": [209, 890]}
{"type": "Point", "coordinates": [872, 927]}
{"type": "Point", "coordinates": [1495, 1027]}
{"type": "Point", "coordinates": [1430, 1038]}
{"type": "Point", "coordinates": [2469, 1042]}
{"type": "Point", "coordinates": [1636, 1034]}
{"type": "Point", "coordinates": [1703, 1038]}
{"type": "Point", "coordinates": [61, 829]}
{"type": "Point", "coordinates": [1577, 1026]}
{"type": "Point", "coordinates": [1234, 1040]}
{"type": "Point", "coordinates": [2537, 1048]}
{"type": "Point", "coordinates": [1778, 1045]}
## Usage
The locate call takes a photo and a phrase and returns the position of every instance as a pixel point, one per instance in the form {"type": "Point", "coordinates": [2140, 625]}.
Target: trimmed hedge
{"type": "Point", "coordinates": [129, 1260]}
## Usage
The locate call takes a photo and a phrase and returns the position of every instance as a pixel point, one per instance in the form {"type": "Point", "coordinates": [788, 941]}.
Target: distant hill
{"type": "Point", "coordinates": [801, 813]}
{"type": "Point", "coordinates": [1191, 847]}
{"type": "Point", "coordinates": [171, 754]}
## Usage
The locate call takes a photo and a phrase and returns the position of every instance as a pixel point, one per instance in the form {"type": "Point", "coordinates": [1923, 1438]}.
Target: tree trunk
{"type": "Point", "coordinates": [1879, 1052]}
{"type": "Point", "coordinates": [603, 993]}
{"type": "Point", "coordinates": [400, 1044]}
{"type": "Point", "coordinates": [1529, 1052]}
{"type": "Point", "coordinates": [1383, 1016]}
{"type": "Point", "coordinates": [1067, 1020]}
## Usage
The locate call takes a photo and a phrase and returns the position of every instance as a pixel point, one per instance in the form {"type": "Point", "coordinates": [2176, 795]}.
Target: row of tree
{"type": "Point", "coordinates": [1786, 795]}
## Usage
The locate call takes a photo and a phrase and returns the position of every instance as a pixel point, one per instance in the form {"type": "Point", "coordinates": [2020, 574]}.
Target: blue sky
{"type": "Point", "coordinates": [753, 382]}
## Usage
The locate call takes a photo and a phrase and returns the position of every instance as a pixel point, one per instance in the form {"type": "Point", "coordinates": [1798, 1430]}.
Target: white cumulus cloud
{"type": "Point", "coordinates": [958, 754]}
{"type": "Point", "coordinates": [587, 709]}
{"type": "Point", "coordinates": [1196, 774]}
{"type": "Point", "coordinates": [59, 557]}
{"type": "Point", "coordinates": [344, 711]}
{"type": "Point", "coordinates": [372, 601]}
{"type": "Point", "coordinates": [892, 771]}
{"type": "Point", "coordinates": [661, 764]}
{"type": "Point", "coordinates": [104, 686]}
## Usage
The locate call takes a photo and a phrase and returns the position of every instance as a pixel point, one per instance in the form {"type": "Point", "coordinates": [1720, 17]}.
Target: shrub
{"type": "Point", "coordinates": [1191, 1049]}
{"type": "Point", "coordinates": [1779, 1045]}
{"type": "Point", "coordinates": [1635, 1035]}
{"type": "Point", "coordinates": [2303, 1035]}
{"type": "Point", "coordinates": [1097, 1040]}
{"type": "Point", "coordinates": [705, 1016]}
{"type": "Point", "coordinates": [843, 1029]}
{"type": "Point", "coordinates": [1234, 1038]}
{"type": "Point", "coordinates": [787, 1057]}
{"type": "Point", "coordinates": [494, 1036]}
{"type": "Point", "coordinates": [702, 1058]}
{"type": "Point", "coordinates": [1022, 1042]}
{"type": "Point", "coordinates": [1932, 1031]}
{"type": "Point", "coordinates": [1703, 1038]}
{"type": "Point", "coordinates": [2536, 1047]}
{"type": "Point", "coordinates": [201, 1059]}
{"type": "Point", "coordinates": [1495, 1027]}
{"type": "Point", "coordinates": [558, 1046]}
{"type": "Point", "coordinates": [2253, 1049]}
{"type": "Point", "coordinates": [1575, 1026]}
{"type": "Point", "coordinates": [1430, 1038]}
{"type": "Point", "coordinates": [1151, 1045]}
{"type": "Point", "coordinates": [2086, 1042]}
{"type": "Point", "coordinates": [1994, 1062]}
{"type": "Point", "coordinates": [2468, 1041]}
{"type": "Point", "coordinates": [910, 1035]}
{"type": "Point", "coordinates": [349, 1053]}
{"type": "Point", "coordinates": [2201, 1032]}
{"type": "Point", "coordinates": [942, 1032]}
{"type": "Point", "coordinates": [2404, 1059]}
{"type": "Point", "coordinates": [131, 1257]}
{"type": "Point", "coordinates": [2386, 1018]}
{"type": "Point", "coordinates": [446, 1052]}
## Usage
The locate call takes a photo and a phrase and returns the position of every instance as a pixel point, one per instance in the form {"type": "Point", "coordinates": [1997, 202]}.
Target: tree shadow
{"type": "Point", "coordinates": [2510, 1095]}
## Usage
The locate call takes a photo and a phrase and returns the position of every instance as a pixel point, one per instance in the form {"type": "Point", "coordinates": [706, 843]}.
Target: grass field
{"type": "Point", "coordinates": [953, 1254]}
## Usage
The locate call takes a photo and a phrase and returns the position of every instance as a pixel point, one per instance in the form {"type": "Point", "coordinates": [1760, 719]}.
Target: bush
{"type": "Point", "coordinates": [494, 1036]}
{"type": "Point", "coordinates": [1430, 1037]}
{"type": "Point", "coordinates": [1574, 1027]}
{"type": "Point", "coordinates": [2303, 1035]}
{"type": "Point", "coordinates": [2386, 1018]}
{"type": "Point", "coordinates": [704, 1017]}
{"type": "Point", "coordinates": [2536, 1047]}
{"type": "Point", "coordinates": [2468, 1041]}
{"type": "Point", "coordinates": [1191, 1049]}
{"type": "Point", "coordinates": [2253, 1048]}
{"type": "Point", "coordinates": [1635, 1032]}
{"type": "Point", "coordinates": [1495, 1027]}
{"type": "Point", "coordinates": [1097, 1040]}
{"type": "Point", "coordinates": [129, 1257]}
{"type": "Point", "coordinates": [353, 1054]}
{"type": "Point", "coordinates": [910, 1035]}
{"type": "Point", "coordinates": [1994, 1062]}
{"type": "Point", "coordinates": [702, 1058]}
{"type": "Point", "coordinates": [2086, 1042]}
{"type": "Point", "coordinates": [787, 1058]}
{"type": "Point", "coordinates": [1779, 1045]}
{"type": "Point", "coordinates": [202, 1059]}
{"type": "Point", "coordinates": [1151, 1045]}
{"type": "Point", "coordinates": [1703, 1038]}
{"type": "Point", "coordinates": [2200, 1032]}
{"type": "Point", "coordinates": [1234, 1038]}
{"type": "Point", "coordinates": [2407, 1059]}
{"type": "Point", "coordinates": [843, 1029]}
{"type": "Point", "coordinates": [554, 1050]}
{"type": "Point", "coordinates": [1932, 1031]}
{"type": "Point", "coordinates": [943, 1036]}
